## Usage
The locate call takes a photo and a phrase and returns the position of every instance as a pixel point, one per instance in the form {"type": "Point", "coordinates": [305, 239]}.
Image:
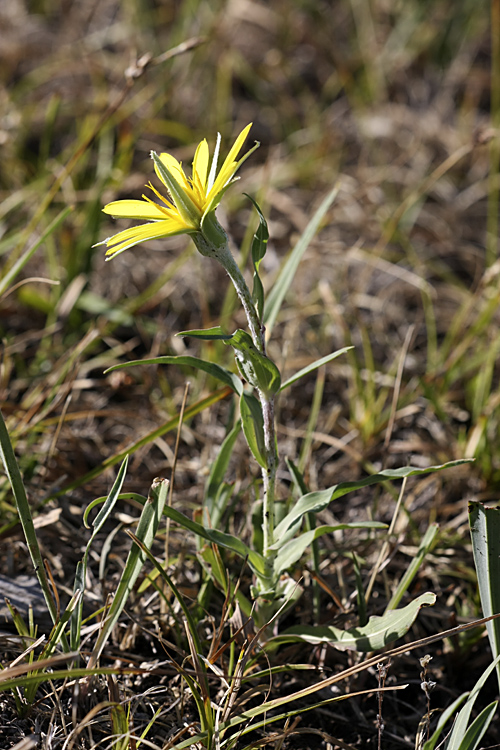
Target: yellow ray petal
{"type": "Point", "coordinates": [200, 165]}
{"type": "Point", "coordinates": [134, 235]}
{"type": "Point", "coordinates": [134, 209]}
{"type": "Point", "coordinates": [230, 165]}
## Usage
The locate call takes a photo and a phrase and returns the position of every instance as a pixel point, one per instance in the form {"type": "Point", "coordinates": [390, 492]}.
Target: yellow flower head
{"type": "Point", "coordinates": [190, 201]}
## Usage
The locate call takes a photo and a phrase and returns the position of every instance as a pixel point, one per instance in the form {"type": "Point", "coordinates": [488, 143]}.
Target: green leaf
{"type": "Point", "coordinates": [81, 568]}
{"type": "Point", "coordinates": [220, 538]}
{"type": "Point", "coordinates": [289, 268]}
{"type": "Point", "coordinates": [316, 501]}
{"type": "Point", "coordinates": [253, 426]}
{"type": "Point", "coordinates": [15, 269]}
{"type": "Point", "coordinates": [444, 719]}
{"type": "Point", "coordinates": [110, 501]}
{"type": "Point", "coordinates": [11, 467]}
{"type": "Point", "coordinates": [218, 470]}
{"type": "Point", "coordinates": [297, 476]}
{"type": "Point", "coordinates": [257, 369]}
{"type": "Point", "coordinates": [54, 638]}
{"type": "Point", "coordinates": [258, 295]}
{"type": "Point", "coordinates": [292, 551]}
{"type": "Point", "coordinates": [485, 533]}
{"type": "Point", "coordinates": [378, 633]}
{"type": "Point", "coordinates": [314, 366]}
{"type": "Point", "coordinates": [146, 532]}
{"type": "Point", "coordinates": [459, 731]}
{"type": "Point", "coordinates": [414, 566]}
{"type": "Point", "coordinates": [261, 236]}
{"type": "Point", "coordinates": [477, 729]}
{"type": "Point", "coordinates": [216, 371]}
{"type": "Point", "coordinates": [209, 556]}
{"type": "Point", "coordinates": [259, 247]}
{"type": "Point", "coordinates": [163, 574]}
{"type": "Point", "coordinates": [207, 334]}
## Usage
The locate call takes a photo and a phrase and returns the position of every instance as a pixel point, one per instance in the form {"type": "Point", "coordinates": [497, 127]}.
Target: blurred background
{"type": "Point", "coordinates": [397, 101]}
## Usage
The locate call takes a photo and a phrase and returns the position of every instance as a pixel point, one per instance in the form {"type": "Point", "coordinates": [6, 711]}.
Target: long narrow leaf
{"type": "Point", "coordinates": [21, 262]}
{"type": "Point", "coordinates": [378, 633]}
{"type": "Point", "coordinates": [459, 730]}
{"type": "Point", "coordinates": [146, 531]}
{"type": "Point", "coordinates": [25, 516]}
{"type": "Point", "coordinates": [259, 247]}
{"type": "Point", "coordinates": [163, 573]}
{"type": "Point", "coordinates": [54, 639]}
{"type": "Point", "coordinates": [314, 366]}
{"type": "Point", "coordinates": [485, 533]}
{"type": "Point", "coordinates": [216, 371]}
{"type": "Point", "coordinates": [220, 538]}
{"type": "Point", "coordinates": [414, 566]}
{"type": "Point", "coordinates": [207, 334]}
{"type": "Point", "coordinates": [214, 488]}
{"type": "Point", "coordinates": [289, 269]}
{"type": "Point", "coordinates": [292, 551]}
{"type": "Point", "coordinates": [445, 717]}
{"type": "Point", "coordinates": [477, 729]}
{"type": "Point", "coordinates": [252, 422]}
{"type": "Point", "coordinates": [108, 506]}
{"type": "Point", "coordinates": [81, 570]}
{"type": "Point", "coordinates": [316, 501]}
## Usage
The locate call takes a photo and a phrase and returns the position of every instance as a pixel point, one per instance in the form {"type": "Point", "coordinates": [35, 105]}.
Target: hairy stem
{"type": "Point", "coordinates": [243, 292]}
{"type": "Point", "coordinates": [267, 403]}
{"type": "Point", "coordinates": [269, 472]}
{"type": "Point", "coordinates": [223, 254]}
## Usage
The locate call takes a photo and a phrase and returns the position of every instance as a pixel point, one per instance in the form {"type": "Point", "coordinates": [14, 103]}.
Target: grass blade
{"type": "Point", "coordinates": [316, 501]}
{"type": "Point", "coordinates": [485, 534]}
{"type": "Point", "coordinates": [314, 366]}
{"type": "Point", "coordinates": [81, 570]}
{"type": "Point", "coordinates": [477, 729]}
{"type": "Point", "coordinates": [21, 262]}
{"type": "Point", "coordinates": [459, 730]}
{"type": "Point", "coordinates": [216, 371]}
{"type": "Point", "coordinates": [415, 564]}
{"type": "Point", "coordinates": [289, 268]}
{"type": "Point", "coordinates": [146, 531]}
{"type": "Point", "coordinates": [26, 518]}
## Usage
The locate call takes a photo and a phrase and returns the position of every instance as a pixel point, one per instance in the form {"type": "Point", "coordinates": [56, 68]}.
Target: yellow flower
{"type": "Point", "coordinates": [191, 202]}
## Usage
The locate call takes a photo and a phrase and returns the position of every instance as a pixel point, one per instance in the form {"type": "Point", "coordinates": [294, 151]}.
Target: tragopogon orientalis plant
{"type": "Point", "coordinates": [189, 208]}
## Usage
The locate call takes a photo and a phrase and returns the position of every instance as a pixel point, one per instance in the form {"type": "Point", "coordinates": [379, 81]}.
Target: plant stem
{"type": "Point", "coordinates": [257, 331]}
{"type": "Point", "coordinates": [225, 258]}
{"type": "Point", "coordinates": [269, 472]}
